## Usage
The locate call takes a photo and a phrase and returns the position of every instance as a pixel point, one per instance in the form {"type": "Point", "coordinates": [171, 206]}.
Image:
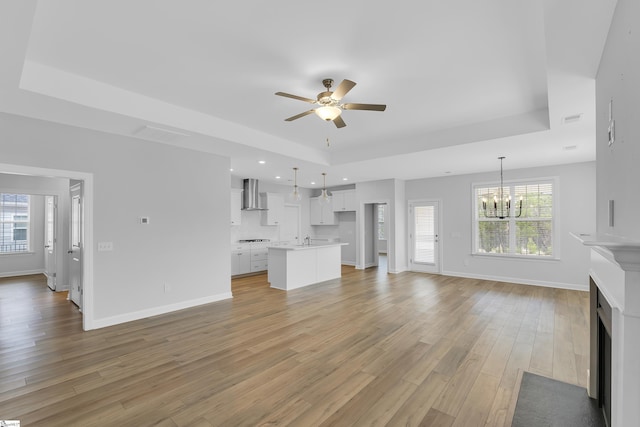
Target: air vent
{"type": "Point", "coordinates": [158, 134]}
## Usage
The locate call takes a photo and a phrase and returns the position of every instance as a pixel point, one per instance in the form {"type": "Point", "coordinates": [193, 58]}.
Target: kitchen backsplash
{"type": "Point", "coordinates": [251, 228]}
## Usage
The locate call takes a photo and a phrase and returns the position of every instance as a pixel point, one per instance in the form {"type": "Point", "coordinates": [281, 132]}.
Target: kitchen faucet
{"type": "Point", "coordinates": [307, 240]}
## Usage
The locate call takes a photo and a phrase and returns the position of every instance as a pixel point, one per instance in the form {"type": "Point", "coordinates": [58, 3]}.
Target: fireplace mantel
{"type": "Point", "coordinates": [625, 252]}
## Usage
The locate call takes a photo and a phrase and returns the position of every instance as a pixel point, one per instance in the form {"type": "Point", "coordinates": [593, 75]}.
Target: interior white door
{"type": "Point", "coordinates": [423, 236]}
{"type": "Point", "coordinates": [51, 215]}
{"type": "Point", "coordinates": [290, 226]}
{"type": "Point", "coordinates": [76, 243]}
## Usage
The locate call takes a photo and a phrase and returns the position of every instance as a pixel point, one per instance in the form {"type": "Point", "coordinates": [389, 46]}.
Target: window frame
{"type": "Point", "coordinates": [29, 228]}
{"type": "Point", "coordinates": [555, 223]}
{"type": "Point", "coordinates": [382, 207]}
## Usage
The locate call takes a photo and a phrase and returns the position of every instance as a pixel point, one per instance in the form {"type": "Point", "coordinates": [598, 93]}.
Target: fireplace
{"type": "Point", "coordinates": [614, 377]}
{"type": "Point", "coordinates": [601, 323]}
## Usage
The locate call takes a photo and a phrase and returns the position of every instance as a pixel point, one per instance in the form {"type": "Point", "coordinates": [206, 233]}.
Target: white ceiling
{"type": "Point", "coordinates": [464, 81]}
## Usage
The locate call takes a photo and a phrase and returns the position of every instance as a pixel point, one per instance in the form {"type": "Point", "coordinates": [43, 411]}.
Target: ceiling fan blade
{"type": "Point", "coordinates": [297, 116]}
{"type": "Point", "coordinates": [342, 89]}
{"type": "Point", "coordinates": [370, 107]}
{"type": "Point", "coordinates": [339, 122]}
{"type": "Point", "coordinates": [300, 98]}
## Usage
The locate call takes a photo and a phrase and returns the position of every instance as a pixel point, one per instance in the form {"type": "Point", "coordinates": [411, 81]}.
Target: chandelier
{"type": "Point", "coordinates": [501, 206]}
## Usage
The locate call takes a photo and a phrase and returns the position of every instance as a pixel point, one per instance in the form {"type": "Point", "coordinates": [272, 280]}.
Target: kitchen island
{"type": "Point", "coordinates": [295, 266]}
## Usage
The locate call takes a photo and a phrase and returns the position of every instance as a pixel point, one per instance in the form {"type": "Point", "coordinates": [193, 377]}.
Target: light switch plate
{"type": "Point", "coordinates": [105, 246]}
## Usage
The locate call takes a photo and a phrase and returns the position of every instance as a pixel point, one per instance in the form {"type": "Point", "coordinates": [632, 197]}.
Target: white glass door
{"type": "Point", "coordinates": [423, 236]}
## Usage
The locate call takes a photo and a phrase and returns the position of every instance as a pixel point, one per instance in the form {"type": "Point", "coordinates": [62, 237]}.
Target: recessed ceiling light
{"type": "Point", "coordinates": [231, 170]}
{"type": "Point", "coordinates": [277, 177]}
{"type": "Point", "coordinates": [262, 162]}
{"type": "Point", "coordinates": [569, 147]}
{"type": "Point", "coordinates": [345, 179]}
{"type": "Point", "coordinates": [313, 183]}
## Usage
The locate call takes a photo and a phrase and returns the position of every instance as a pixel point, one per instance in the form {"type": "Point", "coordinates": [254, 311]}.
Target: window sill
{"type": "Point", "coordinates": [16, 253]}
{"type": "Point", "coordinates": [517, 257]}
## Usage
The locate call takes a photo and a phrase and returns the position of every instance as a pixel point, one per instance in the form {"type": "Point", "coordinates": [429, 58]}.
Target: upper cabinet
{"type": "Point", "coordinates": [321, 213]}
{"type": "Point", "coordinates": [344, 200]}
{"type": "Point", "coordinates": [274, 202]}
{"type": "Point", "coordinates": [236, 206]}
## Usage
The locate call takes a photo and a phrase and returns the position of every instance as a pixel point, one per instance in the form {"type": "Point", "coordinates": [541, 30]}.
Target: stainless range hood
{"type": "Point", "coordinates": [250, 196]}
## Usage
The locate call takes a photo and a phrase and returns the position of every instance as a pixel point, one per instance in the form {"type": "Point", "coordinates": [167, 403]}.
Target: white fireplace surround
{"type": "Point", "coordinates": [615, 269]}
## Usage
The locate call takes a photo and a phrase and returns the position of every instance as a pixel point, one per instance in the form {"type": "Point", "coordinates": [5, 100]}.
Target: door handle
{"type": "Point", "coordinates": [47, 246]}
{"type": "Point", "coordinates": [70, 251]}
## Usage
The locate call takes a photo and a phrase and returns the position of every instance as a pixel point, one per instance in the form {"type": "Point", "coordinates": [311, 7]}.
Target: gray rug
{"type": "Point", "coordinates": [543, 402]}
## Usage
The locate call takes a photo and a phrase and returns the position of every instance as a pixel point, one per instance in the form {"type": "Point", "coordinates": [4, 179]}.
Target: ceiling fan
{"type": "Point", "coordinates": [329, 106]}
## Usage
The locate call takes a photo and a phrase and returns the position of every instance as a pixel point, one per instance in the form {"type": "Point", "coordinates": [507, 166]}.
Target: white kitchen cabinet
{"type": "Point", "coordinates": [259, 259]}
{"type": "Point", "coordinates": [274, 202]}
{"type": "Point", "coordinates": [344, 200]}
{"type": "Point", "coordinates": [240, 262]}
{"type": "Point", "coordinates": [321, 213]}
{"type": "Point", "coordinates": [236, 206]}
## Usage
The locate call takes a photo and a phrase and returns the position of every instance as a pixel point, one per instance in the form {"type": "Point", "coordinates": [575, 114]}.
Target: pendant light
{"type": "Point", "coordinates": [295, 194]}
{"type": "Point", "coordinates": [501, 206]}
{"type": "Point", "coordinates": [324, 196]}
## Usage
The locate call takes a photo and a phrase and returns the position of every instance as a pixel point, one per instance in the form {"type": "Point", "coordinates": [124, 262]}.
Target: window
{"type": "Point", "coordinates": [14, 222]}
{"type": "Point", "coordinates": [381, 227]}
{"type": "Point", "coordinates": [531, 234]}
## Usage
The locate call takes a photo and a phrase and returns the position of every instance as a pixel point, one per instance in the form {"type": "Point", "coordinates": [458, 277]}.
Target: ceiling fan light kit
{"type": "Point", "coordinates": [328, 112]}
{"type": "Point", "coordinates": [329, 106]}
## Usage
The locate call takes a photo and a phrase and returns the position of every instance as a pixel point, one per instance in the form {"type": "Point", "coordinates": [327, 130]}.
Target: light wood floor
{"type": "Point", "coordinates": [367, 349]}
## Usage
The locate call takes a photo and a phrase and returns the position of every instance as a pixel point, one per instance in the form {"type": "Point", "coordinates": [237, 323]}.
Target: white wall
{"type": "Point", "coordinates": [397, 243]}
{"type": "Point", "coordinates": [12, 265]}
{"type": "Point", "coordinates": [617, 166]}
{"type": "Point", "coordinates": [186, 244]}
{"type": "Point", "coordinates": [576, 190]}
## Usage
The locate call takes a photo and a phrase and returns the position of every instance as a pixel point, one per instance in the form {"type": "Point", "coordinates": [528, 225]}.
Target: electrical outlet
{"type": "Point", "coordinates": [105, 246]}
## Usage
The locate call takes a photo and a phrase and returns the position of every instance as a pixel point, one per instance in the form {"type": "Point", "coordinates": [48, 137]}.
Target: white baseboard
{"type": "Point", "coordinates": [558, 285]}
{"type": "Point", "coordinates": [348, 263]}
{"type": "Point", "coordinates": [155, 311]}
{"type": "Point", "coordinates": [21, 273]}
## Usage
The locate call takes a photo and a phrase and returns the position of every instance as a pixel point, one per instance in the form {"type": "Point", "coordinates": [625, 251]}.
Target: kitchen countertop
{"type": "Point", "coordinates": [307, 247]}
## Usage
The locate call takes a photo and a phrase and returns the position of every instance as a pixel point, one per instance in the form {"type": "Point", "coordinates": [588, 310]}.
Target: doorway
{"type": "Point", "coordinates": [424, 240]}
{"type": "Point", "coordinates": [86, 270]}
{"type": "Point", "coordinates": [375, 252]}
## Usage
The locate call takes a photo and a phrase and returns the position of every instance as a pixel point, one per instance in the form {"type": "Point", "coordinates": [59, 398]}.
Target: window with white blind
{"type": "Point", "coordinates": [15, 223]}
{"type": "Point", "coordinates": [526, 231]}
{"type": "Point", "coordinates": [381, 225]}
